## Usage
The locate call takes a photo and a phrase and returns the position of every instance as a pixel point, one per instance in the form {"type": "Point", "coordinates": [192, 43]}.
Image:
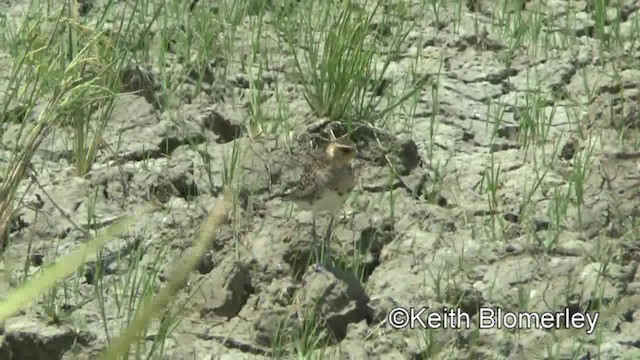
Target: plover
{"type": "Point", "coordinates": [327, 179]}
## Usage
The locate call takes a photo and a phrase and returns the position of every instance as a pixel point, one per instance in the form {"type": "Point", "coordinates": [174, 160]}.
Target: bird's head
{"type": "Point", "coordinates": [342, 151]}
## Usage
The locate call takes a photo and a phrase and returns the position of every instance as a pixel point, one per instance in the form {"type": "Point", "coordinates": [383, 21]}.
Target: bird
{"type": "Point", "coordinates": [326, 180]}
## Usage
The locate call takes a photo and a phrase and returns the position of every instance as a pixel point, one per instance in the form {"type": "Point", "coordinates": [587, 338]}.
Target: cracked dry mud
{"type": "Point", "coordinates": [440, 243]}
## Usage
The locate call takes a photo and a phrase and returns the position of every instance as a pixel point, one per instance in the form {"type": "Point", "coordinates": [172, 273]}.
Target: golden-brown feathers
{"type": "Point", "coordinates": [327, 177]}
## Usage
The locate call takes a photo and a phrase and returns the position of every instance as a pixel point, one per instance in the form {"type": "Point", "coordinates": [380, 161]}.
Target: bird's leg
{"type": "Point", "coordinates": [327, 238]}
{"type": "Point", "coordinates": [345, 215]}
{"type": "Point", "coordinates": [314, 244]}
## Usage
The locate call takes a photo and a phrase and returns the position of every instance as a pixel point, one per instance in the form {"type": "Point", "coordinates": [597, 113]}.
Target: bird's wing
{"type": "Point", "coordinates": [307, 191]}
{"type": "Point", "coordinates": [311, 180]}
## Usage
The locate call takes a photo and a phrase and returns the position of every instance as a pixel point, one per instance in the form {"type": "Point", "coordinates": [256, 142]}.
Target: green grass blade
{"type": "Point", "coordinates": [22, 297]}
{"type": "Point", "coordinates": [156, 305]}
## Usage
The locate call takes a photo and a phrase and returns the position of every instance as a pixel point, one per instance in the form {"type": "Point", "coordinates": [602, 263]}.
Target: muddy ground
{"type": "Point", "coordinates": [422, 229]}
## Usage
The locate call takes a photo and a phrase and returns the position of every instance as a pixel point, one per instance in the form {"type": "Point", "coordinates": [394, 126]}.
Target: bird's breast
{"type": "Point", "coordinates": [329, 200]}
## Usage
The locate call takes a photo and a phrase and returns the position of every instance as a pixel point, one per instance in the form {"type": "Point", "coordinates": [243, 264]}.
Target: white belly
{"type": "Point", "coordinates": [329, 202]}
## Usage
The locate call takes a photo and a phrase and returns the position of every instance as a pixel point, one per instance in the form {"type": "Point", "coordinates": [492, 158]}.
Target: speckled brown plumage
{"type": "Point", "coordinates": [326, 179]}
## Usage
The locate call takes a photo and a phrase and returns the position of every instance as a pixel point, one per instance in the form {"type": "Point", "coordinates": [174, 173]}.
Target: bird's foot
{"type": "Point", "coordinates": [346, 216]}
